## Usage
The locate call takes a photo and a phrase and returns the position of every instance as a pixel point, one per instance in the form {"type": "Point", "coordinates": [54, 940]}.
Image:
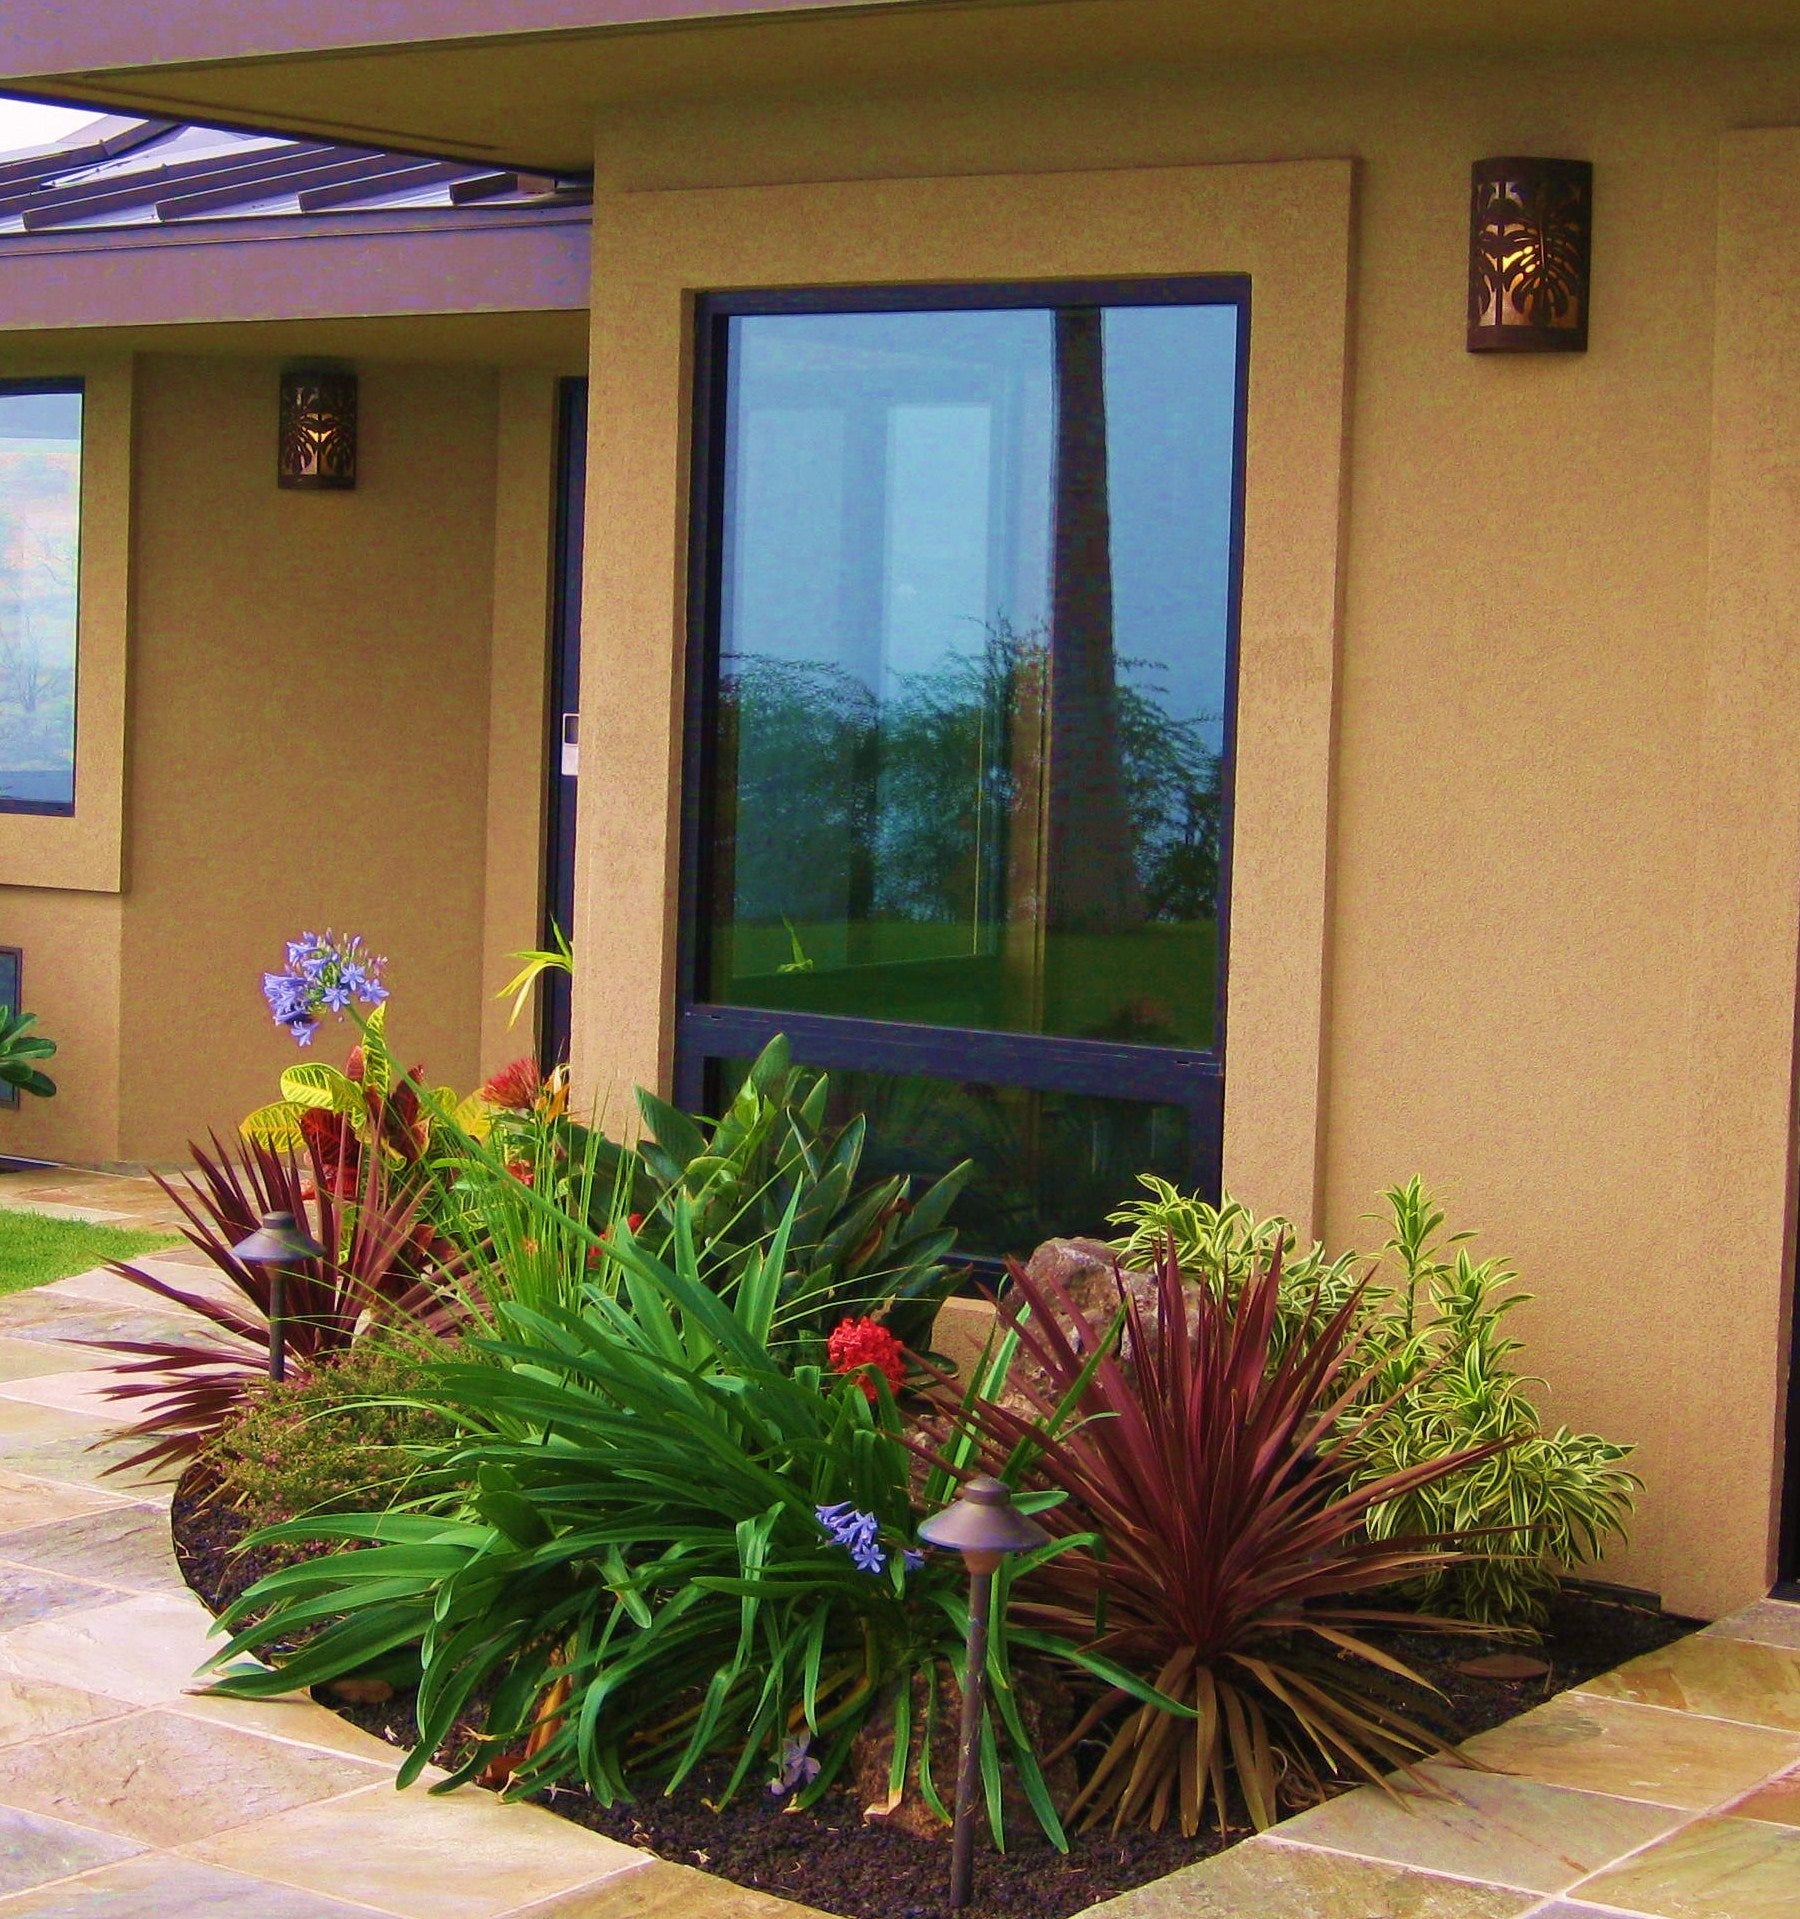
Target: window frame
{"type": "Point", "coordinates": [708, 1031]}
{"type": "Point", "coordinates": [58, 809]}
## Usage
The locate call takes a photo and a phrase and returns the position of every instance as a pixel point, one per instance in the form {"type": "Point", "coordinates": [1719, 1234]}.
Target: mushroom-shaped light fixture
{"type": "Point", "coordinates": [278, 1243]}
{"type": "Point", "coordinates": [984, 1526]}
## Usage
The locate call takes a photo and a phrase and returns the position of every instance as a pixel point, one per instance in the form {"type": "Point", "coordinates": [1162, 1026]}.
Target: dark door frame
{"type": "Point", "coordinates": [564, 697]}
{"type": "Point", "coordinates": [1787, 1560]}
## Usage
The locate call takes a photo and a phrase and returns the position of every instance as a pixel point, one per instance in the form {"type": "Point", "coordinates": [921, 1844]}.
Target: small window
{"type": "Point", "coordinates": [40, 542]}
{"type": "Point", "coordinates": [12, 964]}
{"type": "Point", "coordinates": [960, 740]}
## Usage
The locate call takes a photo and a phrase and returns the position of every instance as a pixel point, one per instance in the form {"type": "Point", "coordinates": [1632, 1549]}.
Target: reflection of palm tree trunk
{"type": "Point", "coordinates": [1094, 883]}
{"type": "Point", "coordinates": [1027, 856]}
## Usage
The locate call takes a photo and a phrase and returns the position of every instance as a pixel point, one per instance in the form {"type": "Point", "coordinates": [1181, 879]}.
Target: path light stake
{"type": "Point", "coordinates": [981, 1524]}
{"type": "Point", "coordinates": [278, 1244]}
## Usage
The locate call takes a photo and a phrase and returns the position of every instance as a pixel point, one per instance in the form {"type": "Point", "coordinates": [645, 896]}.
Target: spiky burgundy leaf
{"type": "Point", "coordinates": [182, 1392]}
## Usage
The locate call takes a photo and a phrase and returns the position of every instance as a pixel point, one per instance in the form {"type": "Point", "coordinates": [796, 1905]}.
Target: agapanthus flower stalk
{"type": "Point", "coordinates": [859, 1534]}
{"type": "Point", "coordinates": [324, 974]}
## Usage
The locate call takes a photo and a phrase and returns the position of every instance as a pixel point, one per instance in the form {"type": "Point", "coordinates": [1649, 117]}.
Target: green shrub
{"type": "Point", "coordinates": [676, 1549]}
{"type": "Point", "coordinates": [1546, 1502]}
{"type": "Point", "coordinates": [351, 1437]}
{"type": "Point", "coordinates": [1439, 1380]}
{"type": "Point", "coordinates": [20, 1050]}
{"type": "Point", "coordinates": [536, 1201]}
{"type": "Point", "coordinates": [1227, 1246]}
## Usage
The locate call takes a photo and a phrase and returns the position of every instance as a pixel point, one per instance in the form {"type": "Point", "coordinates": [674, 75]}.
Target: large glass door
{"type": "Point", "coordinates": [960, 725]}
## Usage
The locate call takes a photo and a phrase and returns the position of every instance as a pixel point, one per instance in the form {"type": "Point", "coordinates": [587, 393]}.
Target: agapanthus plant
{"type": "Point", "coordinates": [324, 974]}
{"type": "Point", "coordinates": [709, 1562]}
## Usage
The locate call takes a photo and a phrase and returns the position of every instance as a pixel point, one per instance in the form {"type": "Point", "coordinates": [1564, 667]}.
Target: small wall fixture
{"type": "Point", "coordinates": [1530, 231]}
{"type": "Point", "coordinates": [318, 428]}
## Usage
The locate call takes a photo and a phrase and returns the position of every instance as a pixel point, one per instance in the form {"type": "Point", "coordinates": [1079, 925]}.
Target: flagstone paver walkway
{"type": "Point", "coordinates": [125, 1796]}
{"type": "Point", "coordinates": [1669, 1789]}
{"type": "Point", "coordinates": [108, 1199]}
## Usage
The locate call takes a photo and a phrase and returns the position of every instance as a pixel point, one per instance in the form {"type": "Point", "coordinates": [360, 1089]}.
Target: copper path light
{"type": "Point", "coordinates": [278, 1243]}
{"type": "Point", "coordinates": [982, 1524]}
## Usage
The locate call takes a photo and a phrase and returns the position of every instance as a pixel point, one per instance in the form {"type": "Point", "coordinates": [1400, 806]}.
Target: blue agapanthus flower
{"type": "Point", "coordinates": [797, 1766]}
{"type": "Point", "coordinates": [324, 974]}
{"type": "Point", "coordinates": [859, 1534]}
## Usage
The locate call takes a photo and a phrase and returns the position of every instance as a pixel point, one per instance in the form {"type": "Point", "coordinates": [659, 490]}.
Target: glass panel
{"type": "Point", "coordinates": [1047, 1164]}
{"type": "Point", "coordinates": [40, 506]}
{"type": "Point", "coordinates": [9, 998]}
{"type": "Point", "coordinates": [973, 646]}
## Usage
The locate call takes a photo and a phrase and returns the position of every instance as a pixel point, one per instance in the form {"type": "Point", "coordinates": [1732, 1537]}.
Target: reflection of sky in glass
{"type": "Point", "coordinates": [1171, 396]}
{"type": "Point", "coordinates": [936, 475]}
{"type": "Point", "coordinates": [889, 498]}
{"type": "Point", "coordinates": [40, 491]}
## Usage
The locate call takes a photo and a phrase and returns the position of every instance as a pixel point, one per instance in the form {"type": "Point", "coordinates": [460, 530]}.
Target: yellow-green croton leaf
{"type": "Point", "coordinates": [276, 1125]}
{"type": "Point", "coordinates": [324, 1088]}
{"type": "Point", "coordinates": [378, 1061]}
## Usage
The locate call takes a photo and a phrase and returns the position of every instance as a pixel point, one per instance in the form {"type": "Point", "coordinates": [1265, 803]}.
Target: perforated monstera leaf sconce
{"type": "Point", "coordinates": [317, 448]}
{"type": "Point", "coordinates": [1530, 237]}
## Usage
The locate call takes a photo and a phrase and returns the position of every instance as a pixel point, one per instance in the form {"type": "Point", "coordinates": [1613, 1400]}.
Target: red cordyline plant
{"type": "Point", "coordinates": [183, 1391]}
{"type": "Point", "coordinates": [1228, 1562]}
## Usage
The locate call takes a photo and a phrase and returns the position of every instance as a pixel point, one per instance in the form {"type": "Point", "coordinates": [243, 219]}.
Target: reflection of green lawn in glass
{"type": "Point", "coordinates": [1151, 986]}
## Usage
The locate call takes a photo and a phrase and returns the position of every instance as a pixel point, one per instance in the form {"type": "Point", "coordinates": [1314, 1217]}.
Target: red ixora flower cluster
{"type": "Point", "coordinates": [862, 1346]}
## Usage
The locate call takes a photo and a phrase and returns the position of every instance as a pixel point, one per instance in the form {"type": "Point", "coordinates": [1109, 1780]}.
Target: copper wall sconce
{"type": "Point", "coordinates": [317, 449]}
{"type": "Point", "coordinates": [1530, 235]}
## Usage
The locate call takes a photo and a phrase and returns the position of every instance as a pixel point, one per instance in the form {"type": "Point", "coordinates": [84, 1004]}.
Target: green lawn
{"type": "Point", "coordinates": [36, 1248]}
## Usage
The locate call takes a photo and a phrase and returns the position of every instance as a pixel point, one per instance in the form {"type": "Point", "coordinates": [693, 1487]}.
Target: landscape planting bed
{"type": "Point", "coordinates": [831, 1858]}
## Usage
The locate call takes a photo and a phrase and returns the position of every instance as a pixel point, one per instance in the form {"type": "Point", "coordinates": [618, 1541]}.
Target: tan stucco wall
{"type": "Point", "coordinates": [70, 941]}
{"type": "Point", "coordinates": [309, 726]}
{"type": "Point", "coordinates": [309, 740]}
{"type": "Point", "coordinates": [518, 691]}
{"type": "Point", "coordinates": [1512, 998]}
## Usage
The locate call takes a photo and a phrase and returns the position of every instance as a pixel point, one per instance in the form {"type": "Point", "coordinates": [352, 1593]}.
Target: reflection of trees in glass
{"type": "Point", "coordinates": [1094, 882]}
{"type": "Point", "coordinates": [1173, 788]}
{"type": "Point", "coordinates": [921, 787]}
{"type": "Point", "coordinates": [37, 614]}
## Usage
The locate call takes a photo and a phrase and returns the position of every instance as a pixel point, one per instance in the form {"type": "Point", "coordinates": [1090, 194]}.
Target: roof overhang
{"type": "Point", "coordinates": [523, 82]}
{"type": "Point", "coordinates": [357, 266]}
